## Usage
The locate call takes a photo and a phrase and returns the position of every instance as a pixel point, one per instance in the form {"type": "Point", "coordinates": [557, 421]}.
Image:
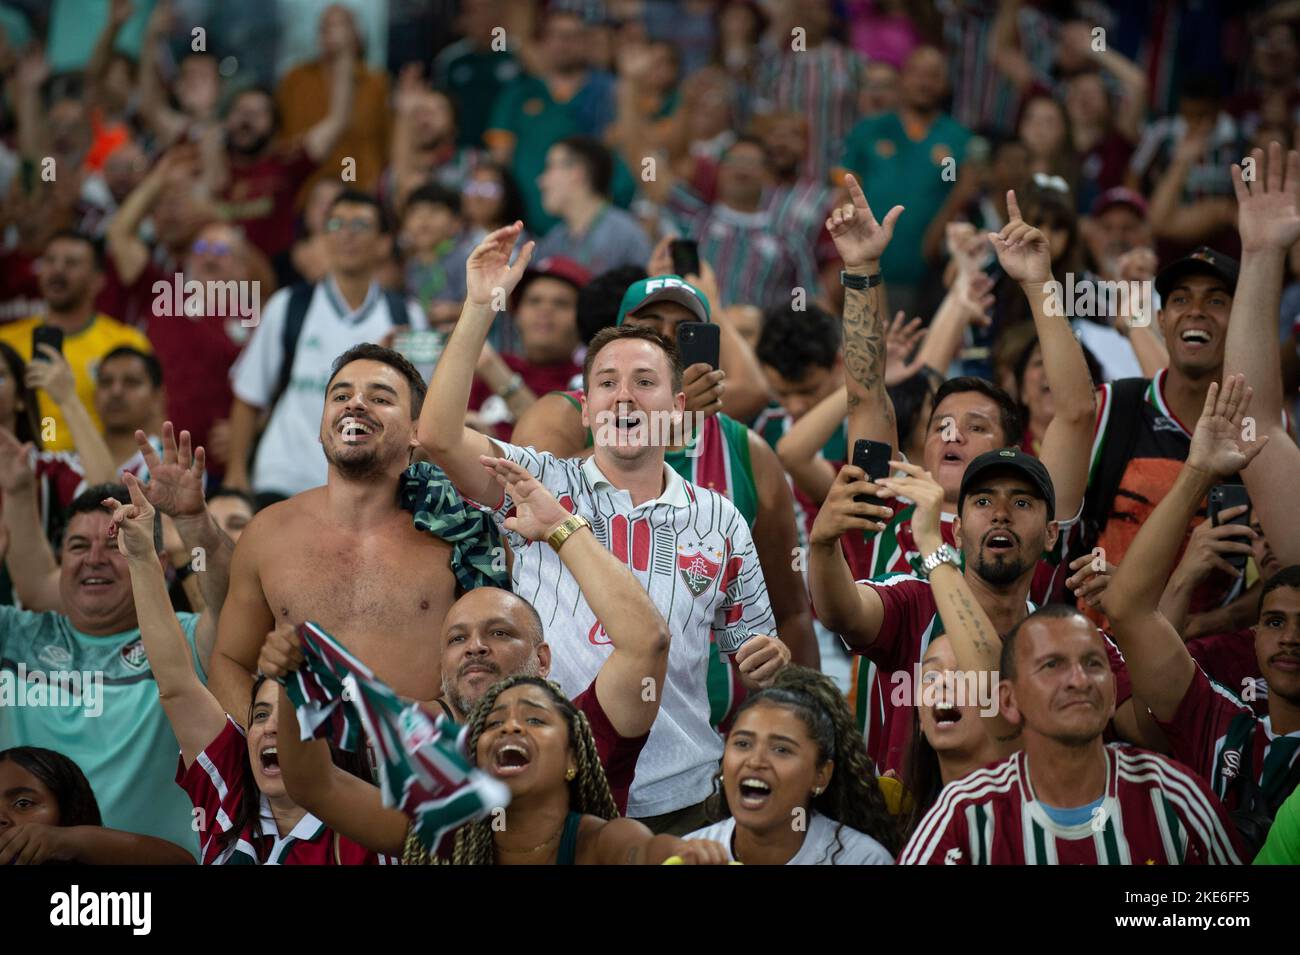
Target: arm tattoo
{"type": "Point", "coordinates": [864, 339]}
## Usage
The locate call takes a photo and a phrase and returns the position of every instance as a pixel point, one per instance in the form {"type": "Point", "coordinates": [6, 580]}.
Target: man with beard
{"type": "Point", "coordinates": [1068, 798]}
{"type": "Point", "coordinates": [1002, 529]}
{"type": "Point", "coordinates": [72, 272]}
{"type": "Point", "coordinates": [259, 183]}
{"type": "Point", "coordinates": [285, 366]}
{"type": "Point", "coordinates": [346, 556]}
{"type": "Point", "coordinates": [491, 634]}
{"type": "Point", "coordinates": [1209, 728]}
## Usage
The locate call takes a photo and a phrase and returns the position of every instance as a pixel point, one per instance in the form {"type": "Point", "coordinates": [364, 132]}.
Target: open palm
{"type": "Point", "coordinates": [176, 481]}
{"type": "Point", "coordinates": [1268, 215]}
{"type": "Point", "coordinates": [859, 238]}
{"type": "Point", "coordinates": [537, 512]}
{"type": "Point", "coordinates": [1218, 447]}
{"type": "Point", "coordinates": [489, 268]}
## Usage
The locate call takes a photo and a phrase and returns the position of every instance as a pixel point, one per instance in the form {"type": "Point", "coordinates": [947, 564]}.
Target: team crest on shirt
{"type": "Point", "coordinates": [1231, 764]}
{"type": "Point", "coordinates": [133, 655]}
{"type": "Point", "coordinates": [699, 565]}
{"type": "Point", "coordinates": [885, 148]}
{"type": "Point", "coordinates": [56, 658]}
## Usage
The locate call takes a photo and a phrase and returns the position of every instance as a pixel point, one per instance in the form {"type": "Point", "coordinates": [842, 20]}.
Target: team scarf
{"type": "Point", "coordinates": [423, 767]}
{"type": "Point", "coordinates": [437, 507]}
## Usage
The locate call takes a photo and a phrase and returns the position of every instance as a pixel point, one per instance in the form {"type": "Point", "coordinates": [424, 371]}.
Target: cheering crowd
{"type": "Point", "coordinates": [648, 432]}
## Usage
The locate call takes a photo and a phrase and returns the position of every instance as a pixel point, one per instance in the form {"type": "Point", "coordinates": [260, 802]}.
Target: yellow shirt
{"type": "Point", "coordinates": [83, 350]}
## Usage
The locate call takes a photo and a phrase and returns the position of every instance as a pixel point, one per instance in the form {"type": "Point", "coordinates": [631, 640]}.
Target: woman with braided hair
{"type": "Point", "coordinates": [797, 785]}
{"type": "Point", "coordinates": [525, 732]}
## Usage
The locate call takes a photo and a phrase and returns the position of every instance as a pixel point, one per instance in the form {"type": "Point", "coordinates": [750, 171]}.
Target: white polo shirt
{"type": "Point", "coordinates": [692, 551]}
{"type": "Point", "coordinates": [290, 458]}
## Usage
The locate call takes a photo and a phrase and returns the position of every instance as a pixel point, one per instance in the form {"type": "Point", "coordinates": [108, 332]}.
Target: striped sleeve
{"type": "Point", "coordinates": [215, 784]}
{"type": "Point", "coordinates": [942, 836]}
{"type": "Point", "coordinates": [746, 609]}
{"type": "Point", "coordinates": [557, 475]}
{"type": "Point", "coordinates": [1202, 719]}
{"type": "Point", "coordinates": [1105, 396]}
{"type": "Point", "coordinates": [909, 607]}
{"type": "Point", "coordinates": [1211, 837]}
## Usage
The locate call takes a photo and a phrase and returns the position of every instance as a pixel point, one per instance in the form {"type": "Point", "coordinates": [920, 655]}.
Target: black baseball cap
{"type": "Point", "coordinates": [1010, 459]}
{"type": "Point", "coordinates": [1203, 261]}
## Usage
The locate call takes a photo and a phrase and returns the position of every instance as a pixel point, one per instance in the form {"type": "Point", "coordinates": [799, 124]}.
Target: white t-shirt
{"type": "Point", "coordinates": [819, 843]}
{"type": "Point", "coordinates": [1111, 349]}
{"type": "Point", "coordinates": [290, 458]}
{"type": "Point", "coordinates": [691, 550]}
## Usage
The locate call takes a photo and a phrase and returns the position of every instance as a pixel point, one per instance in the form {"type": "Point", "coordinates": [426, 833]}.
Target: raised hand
{"type": "Point", "coordinates": [840, 513]}
{"type": "Point", "coordinates": [1268, 216]}
{"type": "Point", "coordinates": [537, 512]}
{"type": "Point", "coordinates": [760, 659]}
{"type": "Point", "coordinates": [489, 268]}
{"type": "Point", "coordinates": [132, 523]}
{"type": "Point", "coordinates": [176, 482]}
{"type": "Point", "coordinates": [901, 338]}
{"type": "Point", "coordinates": [859, 238]}
{"type": "Point", "coordinates": [16, 472]}
{"type": "Point", "coordinates": [918, 485]}
{"type": "Point", "coordinates": [1218, 448]}
{"type": "Point", "coordinates": [1023, 251]}
{"type": "Point", "coordinates": [1088, 582]}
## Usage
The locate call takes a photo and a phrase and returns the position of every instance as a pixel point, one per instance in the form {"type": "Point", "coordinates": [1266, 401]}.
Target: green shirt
{"type": "Point", "coordinates": [94, 700]}
{"type": "Point", "coordinates": [1283, 844]}
{"type": "Point", "coordinates": [473, 78]}
{"type": "Point", "coordinates": [895, 170]}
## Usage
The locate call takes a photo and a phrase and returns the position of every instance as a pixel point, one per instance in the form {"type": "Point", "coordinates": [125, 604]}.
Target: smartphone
{"type": "Point", "coordinates": [873, 457]}
{"type": "Point", "coordinates": [699, 342]}
{"type": "Point", "coordinates": [46, 335]}
{"type": "Point", "coordinates": [420, 347]}
{"type": "Point", "coordinates": [1222, 497]}
{"type": "Point", "coordinates": [686, 256]}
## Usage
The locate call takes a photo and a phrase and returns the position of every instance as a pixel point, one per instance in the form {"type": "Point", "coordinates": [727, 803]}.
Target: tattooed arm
{"type": "Point", "coordinates": [860, 241]}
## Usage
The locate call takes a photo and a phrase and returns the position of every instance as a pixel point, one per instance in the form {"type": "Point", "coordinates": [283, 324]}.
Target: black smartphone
{"type": "Point", "coordinates": [1223, 497]}
{"type": "Point", "coordinates": [46, 335]}
{"type": "Point", "coordinates": [686, 256]}
{"type": "Point", "coordinates": [699, 342]}
{"type": "Point", "coordinates": [873, 457]}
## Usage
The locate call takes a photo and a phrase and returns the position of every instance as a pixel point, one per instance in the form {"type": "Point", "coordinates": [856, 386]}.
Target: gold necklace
{"type": "Point", "coordinates": [534, 848]}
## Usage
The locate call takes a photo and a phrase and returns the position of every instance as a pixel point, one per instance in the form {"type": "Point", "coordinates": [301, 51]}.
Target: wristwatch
{"type": "Point", "coordinates": [566, 530]}
{"type": "Point", "coordinates": [514, 384]}
{"type": "Point", "coordinates": [860, 282]}
{"type": "Point", "coordinates": [944, 555]}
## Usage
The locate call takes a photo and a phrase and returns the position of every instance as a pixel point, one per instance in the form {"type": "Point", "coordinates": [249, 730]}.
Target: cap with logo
{"type": "Point", "coordinates": [1203, 261]}
{"type": "Point", "coordinates": [553, 267]}
{"type": "Point", "coordinates": [1010, 459]}
{"type": "Point", "coordinates": [663, 288]}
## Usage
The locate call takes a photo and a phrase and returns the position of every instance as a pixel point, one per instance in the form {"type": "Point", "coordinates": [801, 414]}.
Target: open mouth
{"type": "Point", "coordinates": [96, 582]}
{"type": "Point", "coordinates": [270, 758]}
{"type": "Point", "coordinates": [355, 430]}
{"type": "Point", "coordinates": [511, 759]}
{"type": "Point", "coordinates": [1195, 336]}
{"type": "Point", "coordinates": [1000, 542]}
{"type": "Point", "coordinates": [952, 457]}
{"type": "Point", "coordinates": [947, 715]}
{"type": "Point", "coordinates": [754, 793]}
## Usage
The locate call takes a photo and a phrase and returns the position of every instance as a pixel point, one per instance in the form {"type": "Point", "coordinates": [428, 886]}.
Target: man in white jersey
{"type": "Point", "coordinates": [688, 546]}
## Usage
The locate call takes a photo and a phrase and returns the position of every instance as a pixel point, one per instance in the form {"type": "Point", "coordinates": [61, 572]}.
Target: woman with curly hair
{"type": "Point", "coordinates": [797, 785]}
{"type": "Point", "coordinates": [526, 733]}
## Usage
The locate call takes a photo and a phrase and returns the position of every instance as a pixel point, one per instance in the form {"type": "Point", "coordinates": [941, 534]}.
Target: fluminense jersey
{"type": "Point", "coordinates": [772, 423]}
{"type": "Point", "coordinates": [692, 551]}
{"type": "Point", "coordinates": [894, 551]}
{"type": "Point", "coordinates": [718, 459]}
{"type": "Point", "coordinates": [911, 621]}
{"type": "Point", "coordinates": [1154, 812]}
{"type": "Point", "coordinates": [1211, 731]}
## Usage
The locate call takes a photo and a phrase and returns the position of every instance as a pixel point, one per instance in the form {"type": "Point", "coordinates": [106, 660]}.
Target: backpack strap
{"type": "Point", "coordinates": [397, 308]}
{"type": "Point", "coordinates": [295, 317]}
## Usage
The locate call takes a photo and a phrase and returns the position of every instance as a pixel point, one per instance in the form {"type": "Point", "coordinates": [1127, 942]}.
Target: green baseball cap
{"type": "Point", "coordinates": [663, 288]}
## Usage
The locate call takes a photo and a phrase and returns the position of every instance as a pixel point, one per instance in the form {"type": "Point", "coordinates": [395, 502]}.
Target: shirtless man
{"type": "Point", "coordinates": [346, 556]}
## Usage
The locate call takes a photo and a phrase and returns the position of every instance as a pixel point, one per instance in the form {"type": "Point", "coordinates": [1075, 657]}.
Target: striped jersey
{"type": "Point", "coordinates": [215, 784]}
{"type": "Point", "coordinates": [1210, 733]}
{"type": "Point", "coordinates": [1153, 811]}
{"type": "Point", "coordinates": [692, 551]}
{"type": "Point", "coordinates": [894, 551]}
{"type": "Point", "coordinates": [910, 622]}
{"type": "Point", "coordinates": [772, 423]}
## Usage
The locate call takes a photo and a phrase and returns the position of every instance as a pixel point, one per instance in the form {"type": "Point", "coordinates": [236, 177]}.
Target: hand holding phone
{"type": "Point", "coordinates": [46, 335]}
{"type": "Point", "coordinates": [699, 342]}
{"type": "Point", "coordinates": [1225, 496]}
{"type": "Point", "coordinates": [873, 458]}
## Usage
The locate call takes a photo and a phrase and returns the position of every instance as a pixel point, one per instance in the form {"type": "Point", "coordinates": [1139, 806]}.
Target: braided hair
{"type": "Point", "coordinates": [853, 797]}
{"type": "Point", "coordinates": [588, 791]}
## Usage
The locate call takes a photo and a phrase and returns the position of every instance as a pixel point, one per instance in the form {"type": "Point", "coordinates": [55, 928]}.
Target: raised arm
{"type": "Point", "coordinates": [175, 488]}
{"type": "Point", "coordinates": [166, 124]}
{"type": "Point", "coordinates": [196, 716]}
{"type": "Point", "coordinates": [129, 252]}
{"type": "Point", "coordinates": [860, 241]}
{"type": "Point", "coordinates": [1026, 256]}
{"type": "Point", "coordinates": [490, 278]}
{"type": "Point", "coordinates": [799, 449]}
{"type": "Point", "coordinates": [1269, 223]}
{"type": "Point", "coordinates": [636, 629]}
{"type": "Point", "coordinates": [1169, 217]}
{"type": "Point", "coordinates": [975, 641]}
{"type": "Point", "coordinates": [245, 621]}
{"type": "Point", "coordinates": [319, 141]}
{"type": "Point", "coordinates": [119, 11]}
{"type": "Point", "coordinates": [853, 611]}
{"type": "Point", "coordinates": [55, 376]}
{"type": "Point", "coordinates": [1159, 664]}
{"type": "Point", "coordinates": [1138, 326]}
{"type": "Point", "coordinates": [32, 567]}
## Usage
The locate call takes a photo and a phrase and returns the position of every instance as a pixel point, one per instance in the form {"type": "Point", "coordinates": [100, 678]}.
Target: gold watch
{"type": "Point", "coordinates": [566, 530]}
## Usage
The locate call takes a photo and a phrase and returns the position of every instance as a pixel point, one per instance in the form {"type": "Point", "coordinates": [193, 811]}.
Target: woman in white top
{"type": "Point", "coordinates": [797, 786]}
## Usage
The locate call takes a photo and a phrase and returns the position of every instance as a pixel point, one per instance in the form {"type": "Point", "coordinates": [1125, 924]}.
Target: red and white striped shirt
{"type": "Point", "coordinates": [1154, 811]}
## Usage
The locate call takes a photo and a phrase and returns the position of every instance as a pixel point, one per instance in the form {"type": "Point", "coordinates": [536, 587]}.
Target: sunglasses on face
{"type": "Point", "coordinates": [219, 249]}
{"type": "Point", "coordinates": [355, 226]}
{"type": "Point", "coordinates": [481, 190]}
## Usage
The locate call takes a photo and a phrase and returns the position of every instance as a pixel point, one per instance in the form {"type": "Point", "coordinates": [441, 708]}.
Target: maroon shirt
{"type": "Point", "coordinates": [540, 379]}
{"type": "Point", "coordinates": [618, 754]}
{"type": "Point", "coordinates": [260, 196]}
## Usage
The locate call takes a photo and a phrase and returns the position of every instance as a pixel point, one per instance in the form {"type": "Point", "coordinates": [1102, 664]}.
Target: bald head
{"type": "Point", "coordinates": [489, 634]}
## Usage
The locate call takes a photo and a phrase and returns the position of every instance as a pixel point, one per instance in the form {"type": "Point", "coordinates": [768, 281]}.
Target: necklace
{"type": "Point", "coordinates": [534, 848]}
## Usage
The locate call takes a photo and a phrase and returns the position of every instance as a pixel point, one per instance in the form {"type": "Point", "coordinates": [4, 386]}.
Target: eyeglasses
{"type": "Point", "coordinates": [481, 190]}
{"type": "Point", "coordinates": [220, 249]}
{"type": "Point", "coordinates": [355, 226]}
{"type": "Point", "coordinates": [1055, 183]}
